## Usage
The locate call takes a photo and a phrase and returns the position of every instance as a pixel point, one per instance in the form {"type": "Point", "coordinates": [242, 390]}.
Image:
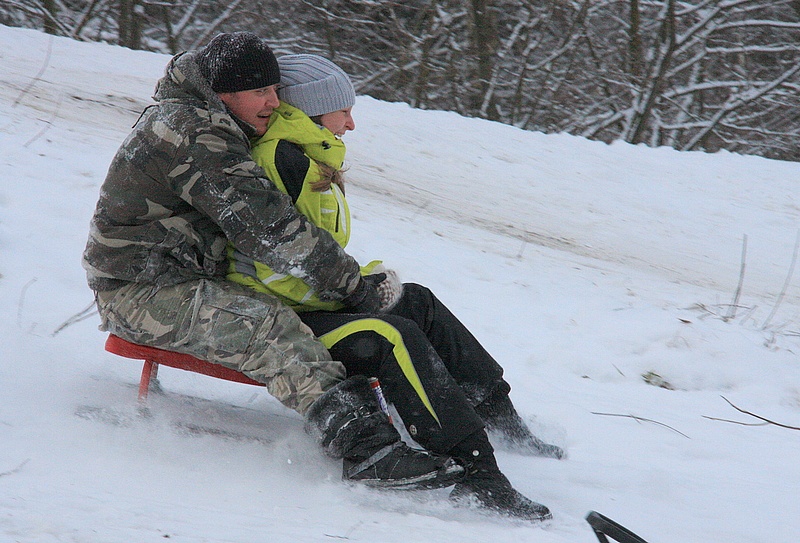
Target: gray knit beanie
{"type": "Point", "coordinates": [314, 85]}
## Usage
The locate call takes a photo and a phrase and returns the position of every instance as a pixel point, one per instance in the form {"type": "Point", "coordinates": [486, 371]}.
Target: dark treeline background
{"type": "Point", "coordinates": [693, 75]}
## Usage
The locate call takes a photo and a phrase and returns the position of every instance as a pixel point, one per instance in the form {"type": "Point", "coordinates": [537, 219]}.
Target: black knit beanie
{"type": "Point", "coordinates": [238, 61]}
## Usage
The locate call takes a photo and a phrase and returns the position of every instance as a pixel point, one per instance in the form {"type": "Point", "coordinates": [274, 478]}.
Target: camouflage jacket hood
{"type": "Point", "coordinates": [183, 184]}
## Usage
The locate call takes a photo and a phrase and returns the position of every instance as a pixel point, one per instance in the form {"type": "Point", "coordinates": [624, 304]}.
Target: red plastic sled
{"type": "Point", "coordinates": [153, 357]}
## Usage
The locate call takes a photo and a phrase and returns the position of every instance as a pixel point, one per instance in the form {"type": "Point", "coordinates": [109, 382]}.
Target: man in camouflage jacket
{"type": "Point", "coordinates": [182, 185]}
{"type": "Point", "coordinates": [180, 188]}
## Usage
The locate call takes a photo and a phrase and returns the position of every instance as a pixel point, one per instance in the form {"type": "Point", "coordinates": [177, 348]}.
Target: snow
{"type": "Point", "coordinates": [581, 266]}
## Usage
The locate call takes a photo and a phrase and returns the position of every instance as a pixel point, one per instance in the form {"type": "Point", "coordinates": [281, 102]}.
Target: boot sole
{"type": "Point", "coordinates": [470, 500]}
{"type": "Point", "coordinates": [427, 481]}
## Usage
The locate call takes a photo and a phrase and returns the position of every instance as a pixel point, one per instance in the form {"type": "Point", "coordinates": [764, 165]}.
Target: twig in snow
{"type": "Point", "coordinates": [38, 75]}
{"type": "Point", "coordinates": [15, 470]}
{"type": "Point", "coordinates": [21, 302]}
{"type": "Point", "coordinates": [521, 249]}
{"type": "Point", "coordinates": [48, 123]}
{"type": "Point", "coordinates": [641, 419]}
{"type": "Point", "coordinates": [349, 531]}
{"type": "Point", "coordinates": [734, 304]}
{"type": "Point", "coordinates": [84, 314]}
{"type": "Point", "coordinates": [759, 417]}
{"type": "Point", "coordinates": [736, 421]}
{"type": "Point", "coordinates": [785, 284]}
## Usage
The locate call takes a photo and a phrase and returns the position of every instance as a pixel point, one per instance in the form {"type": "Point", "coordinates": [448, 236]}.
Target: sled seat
{"type": "Point", "coordinates": [153, 357]}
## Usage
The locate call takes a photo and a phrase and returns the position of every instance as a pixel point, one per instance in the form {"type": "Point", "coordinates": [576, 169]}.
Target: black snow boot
{"type": "Point", "coordinates": [505, 425]}
{"type": "Point", "coordinates": [348, 422]}
{"type": "Point", "coordinates": [486, 487]}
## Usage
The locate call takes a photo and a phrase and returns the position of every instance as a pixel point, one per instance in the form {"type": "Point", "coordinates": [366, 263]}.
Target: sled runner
{"type": "Point", "coordinates": [604, 528]}
{"type": "Point", "coordinates": [153, 357]}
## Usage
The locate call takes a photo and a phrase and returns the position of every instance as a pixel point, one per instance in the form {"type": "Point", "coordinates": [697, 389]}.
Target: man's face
{"type": "Point", "coordinates": [253, 106]}
{"type": "Point", "coordinates": [339, 121]}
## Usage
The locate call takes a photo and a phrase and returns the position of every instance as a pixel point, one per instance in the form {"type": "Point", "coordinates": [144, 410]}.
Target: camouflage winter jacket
{"type": "Point", "coordinates": [183, 184]}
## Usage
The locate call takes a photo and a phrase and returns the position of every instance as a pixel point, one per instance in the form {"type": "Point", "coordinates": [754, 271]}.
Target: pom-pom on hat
{"type": "Point", "coordinates": [238, 61]}
{"type": "Point", "coordinates": [314, 85]}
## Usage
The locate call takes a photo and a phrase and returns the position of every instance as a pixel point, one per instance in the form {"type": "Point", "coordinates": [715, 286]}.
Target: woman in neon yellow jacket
{"type": "Point", "coordinates": [445, 386]}
{"type": "Point", "coordinates": [304, 160]}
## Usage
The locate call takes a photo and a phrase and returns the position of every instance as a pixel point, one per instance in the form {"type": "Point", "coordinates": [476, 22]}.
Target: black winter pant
{"type": "Point", "coordinates": [430, 366]}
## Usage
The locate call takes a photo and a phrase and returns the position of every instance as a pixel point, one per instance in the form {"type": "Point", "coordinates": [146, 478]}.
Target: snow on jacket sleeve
{"type": "Point", "coordinates": [258, 219]}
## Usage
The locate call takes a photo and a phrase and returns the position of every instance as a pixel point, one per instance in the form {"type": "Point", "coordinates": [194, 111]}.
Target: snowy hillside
{"type": "Point", "coordinates": [582, 267]}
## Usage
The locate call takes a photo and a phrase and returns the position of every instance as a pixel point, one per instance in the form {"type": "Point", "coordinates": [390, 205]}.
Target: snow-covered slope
{"type": "Point", "coordinates": [581, 266]}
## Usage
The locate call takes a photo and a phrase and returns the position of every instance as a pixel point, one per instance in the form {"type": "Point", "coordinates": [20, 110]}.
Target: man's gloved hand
{"type": "Point", "coordinates": [365, 298]}
{"type": "Point", "coordinates": [377, 292]}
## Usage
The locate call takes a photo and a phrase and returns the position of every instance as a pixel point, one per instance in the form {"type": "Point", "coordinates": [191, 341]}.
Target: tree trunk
{"type": "Point", "coordinates": [484, 47]}
{"type": "Point", "coordinates": [635, 54]}
{"type": "Point", "coordinates": [49, 24]}
{"type": "Point", "coordinates": [130, 24]}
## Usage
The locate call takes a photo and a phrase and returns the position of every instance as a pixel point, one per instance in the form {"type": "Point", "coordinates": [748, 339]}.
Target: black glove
{"type": "Point", "coordinates": [365, 298]}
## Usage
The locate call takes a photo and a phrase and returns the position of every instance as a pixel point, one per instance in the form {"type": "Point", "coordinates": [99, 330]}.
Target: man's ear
{"type": "Point", "coordinates": [224, 96]}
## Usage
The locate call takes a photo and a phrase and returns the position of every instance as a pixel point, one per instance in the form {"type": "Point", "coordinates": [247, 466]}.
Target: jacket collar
{"type": "Point", "coordinates": [318, 143]}
{"type": "Point", "coordinates": [183, 82]}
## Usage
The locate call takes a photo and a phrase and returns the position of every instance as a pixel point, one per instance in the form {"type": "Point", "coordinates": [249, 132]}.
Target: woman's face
{"type": "Point", "coordinates": [339, 121]}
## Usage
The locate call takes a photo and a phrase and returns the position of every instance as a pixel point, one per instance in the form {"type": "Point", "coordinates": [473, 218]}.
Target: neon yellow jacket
{"type": "Point", "coordinates": [327, 209]}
